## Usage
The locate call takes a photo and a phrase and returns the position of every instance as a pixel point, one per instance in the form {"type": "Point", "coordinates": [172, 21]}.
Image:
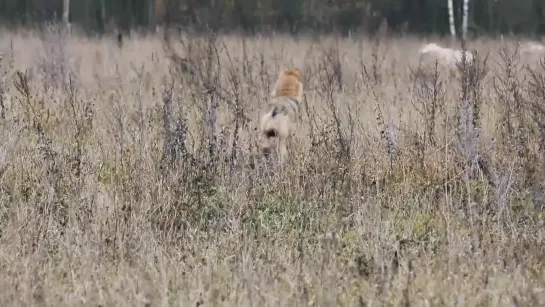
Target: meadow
{"type": "Point", "coordinates": [131, 175]}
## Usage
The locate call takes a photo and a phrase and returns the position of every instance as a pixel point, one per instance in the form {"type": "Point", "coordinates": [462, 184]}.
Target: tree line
{"type": "Point", "coordinates": [485, 17]}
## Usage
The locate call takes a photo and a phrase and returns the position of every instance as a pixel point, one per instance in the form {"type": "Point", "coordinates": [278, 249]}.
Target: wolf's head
{"type": "Point", "coordinates": [427, 48]}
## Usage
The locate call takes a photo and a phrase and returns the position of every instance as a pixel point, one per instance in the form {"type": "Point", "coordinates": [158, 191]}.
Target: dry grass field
{"type": "Point", "coordinates": [131, 176]}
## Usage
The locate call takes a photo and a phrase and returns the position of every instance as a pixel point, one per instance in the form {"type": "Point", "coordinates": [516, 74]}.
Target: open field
{"type": "Point", "coordinates": [131, 176]}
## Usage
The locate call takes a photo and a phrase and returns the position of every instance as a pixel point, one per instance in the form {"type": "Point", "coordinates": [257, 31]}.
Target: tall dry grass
{"type": "Point", "coordinates": [131, 177]}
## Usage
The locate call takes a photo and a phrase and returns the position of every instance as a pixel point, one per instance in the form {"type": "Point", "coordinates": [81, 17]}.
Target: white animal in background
{"type": "Point", "coordinates": [447, 55]}
{"type": "Point", "coordinates": [532, 47]}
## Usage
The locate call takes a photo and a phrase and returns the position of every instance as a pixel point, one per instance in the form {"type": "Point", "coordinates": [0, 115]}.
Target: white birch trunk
{"type": "Point", "coordinates": [66, 13]}
{"type": "Point", "coordinates": [451, 19]}
{"type": "Point", "coordinates": [151, 14]}
{"type": "Point", "coordinates": [103, 13]}
{"type": "Point", "coordinates": [465, 17]}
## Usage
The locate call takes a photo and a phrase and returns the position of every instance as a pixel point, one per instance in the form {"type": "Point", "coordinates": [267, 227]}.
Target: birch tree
{"type": "Point", "coordinates": [451, 19]}
{"type": "Point", "coordinates": [464, 19]}
{"type": "Point", "coordinates": [66, 13]}
{"type": "Point", "coordinates": [103, 14]}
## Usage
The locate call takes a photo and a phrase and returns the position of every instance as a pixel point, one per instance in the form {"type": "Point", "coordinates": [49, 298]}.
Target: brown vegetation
{"type": "Point", "coordinates": [126, 178]}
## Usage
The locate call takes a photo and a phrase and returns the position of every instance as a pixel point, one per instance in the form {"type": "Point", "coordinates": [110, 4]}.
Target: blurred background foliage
{"type": "Point", "coordinates": [487, 17]}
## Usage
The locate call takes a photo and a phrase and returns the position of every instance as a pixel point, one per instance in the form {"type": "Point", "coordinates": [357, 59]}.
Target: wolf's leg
{"type": "Point", "coordinates": [266, 145]}
{"type": "Point", "coordinates": [282, 150]}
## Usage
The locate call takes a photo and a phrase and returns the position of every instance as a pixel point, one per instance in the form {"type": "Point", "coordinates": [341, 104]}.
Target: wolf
{"type": "Point", "coordinates": [448, 55]}
{"type": "Point", "coordinates": [279, 123]}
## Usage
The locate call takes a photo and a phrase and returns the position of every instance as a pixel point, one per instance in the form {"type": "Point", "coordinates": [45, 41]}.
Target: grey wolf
{"type": "Point", "coordinates": [279, 123]}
